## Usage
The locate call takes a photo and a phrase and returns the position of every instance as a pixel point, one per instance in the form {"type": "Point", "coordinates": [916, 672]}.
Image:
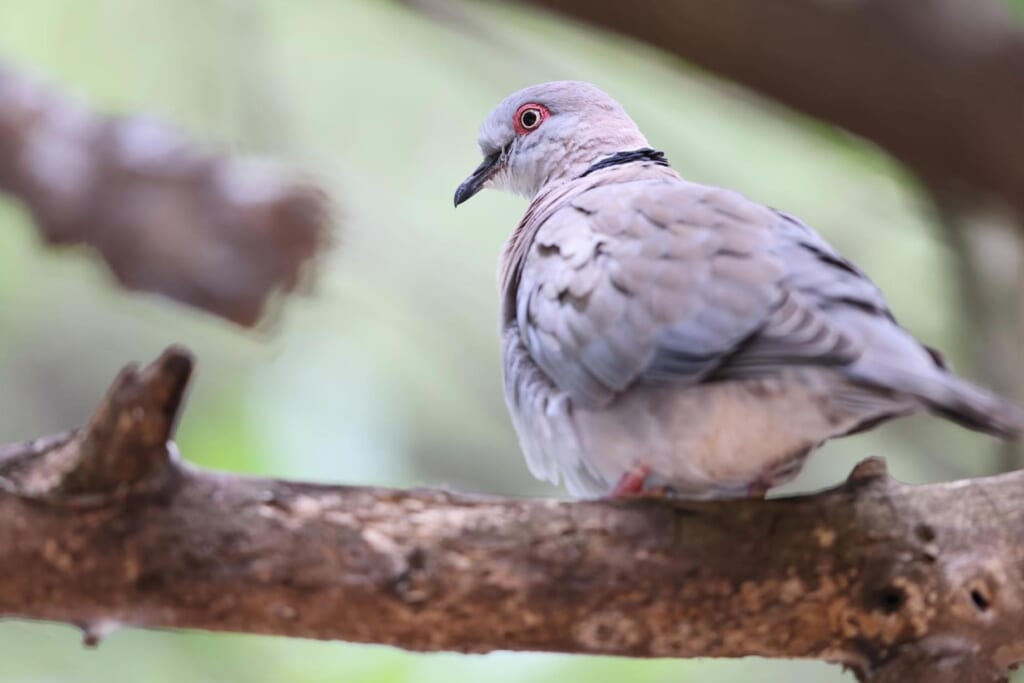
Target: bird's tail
{"type": "Point", "coordinates": [977, 409]}
{"type": "Point", "coordinates": [962, 402]}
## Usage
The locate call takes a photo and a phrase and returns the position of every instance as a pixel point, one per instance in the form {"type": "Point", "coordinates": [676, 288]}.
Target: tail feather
{"type": "Point", "coordinates": [977, 409]}
{"type": "Point", "coordinates": [958, 400]}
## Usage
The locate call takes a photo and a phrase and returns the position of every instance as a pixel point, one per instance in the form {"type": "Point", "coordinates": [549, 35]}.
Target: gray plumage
{"type": "Point", "coordinates": [649, 321]}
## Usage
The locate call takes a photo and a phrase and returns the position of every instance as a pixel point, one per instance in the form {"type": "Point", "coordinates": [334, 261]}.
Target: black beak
{"type": "Point", "coordinates": [476, 181]}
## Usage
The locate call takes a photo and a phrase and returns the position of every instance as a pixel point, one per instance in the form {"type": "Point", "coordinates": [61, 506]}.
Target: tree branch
{"type": "Point", "coordinates": [217, 233]}
{"type": "Point", "coordinates": [938, 84]}
{"type": "Point", "coordinates": [103, 526]}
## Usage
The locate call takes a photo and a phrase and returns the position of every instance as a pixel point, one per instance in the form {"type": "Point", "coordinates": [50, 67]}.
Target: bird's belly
{"type": "Point", "coordinates": [712, 440]}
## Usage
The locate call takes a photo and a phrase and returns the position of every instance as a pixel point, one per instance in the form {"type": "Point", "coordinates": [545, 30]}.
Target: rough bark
{"type": "Point", "coordinates": [937, 83]}
{"type": "Point", "coordinates": [103, 527]}
{"type": "Point", "coordinates": [214, 232]}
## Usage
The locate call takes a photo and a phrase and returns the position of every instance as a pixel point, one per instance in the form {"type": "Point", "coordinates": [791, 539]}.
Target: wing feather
{"type": "Point", "coordinates": [669, 281]}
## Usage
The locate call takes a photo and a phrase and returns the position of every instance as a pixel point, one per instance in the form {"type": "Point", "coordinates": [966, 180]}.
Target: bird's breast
{"type": "Point", "coordinates": [710, 439]}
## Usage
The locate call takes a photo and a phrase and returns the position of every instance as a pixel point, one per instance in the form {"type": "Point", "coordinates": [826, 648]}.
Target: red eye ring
{"type": "Point", "coordinates": [528, 117]}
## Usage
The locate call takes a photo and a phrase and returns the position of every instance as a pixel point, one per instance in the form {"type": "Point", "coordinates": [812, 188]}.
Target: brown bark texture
{"type": "Point", "coordinates": [939, 84]}
{"type": "Point", "coordinates": [104, 526]}
{"type": "Point", "coordinates": [218, 233]}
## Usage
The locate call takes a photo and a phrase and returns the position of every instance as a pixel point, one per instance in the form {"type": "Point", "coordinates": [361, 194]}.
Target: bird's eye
{"type": "Point", "coordinates": [528, 117]}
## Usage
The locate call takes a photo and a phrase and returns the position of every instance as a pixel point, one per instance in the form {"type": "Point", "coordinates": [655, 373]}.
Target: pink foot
{"type": "Point", "coordinates": [758, 489]}
{"type": "Point", "coordinates": [631, 484]}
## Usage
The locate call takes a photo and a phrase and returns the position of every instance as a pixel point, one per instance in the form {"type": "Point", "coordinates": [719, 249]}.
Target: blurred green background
{"type": "Point", "coordinates": [387, 371]}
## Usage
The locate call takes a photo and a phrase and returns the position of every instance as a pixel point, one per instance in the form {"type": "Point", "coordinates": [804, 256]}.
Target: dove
{"type": "Point", "coordinates": [661, 336]}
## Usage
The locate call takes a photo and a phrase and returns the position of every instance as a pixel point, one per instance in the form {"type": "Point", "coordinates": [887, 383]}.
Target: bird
{"type": "Point", "coordinates": [665, 337]}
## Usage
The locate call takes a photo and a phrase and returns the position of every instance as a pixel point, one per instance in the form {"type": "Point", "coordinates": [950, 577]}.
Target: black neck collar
{"type": "Point", "coordinates": [643, 154]}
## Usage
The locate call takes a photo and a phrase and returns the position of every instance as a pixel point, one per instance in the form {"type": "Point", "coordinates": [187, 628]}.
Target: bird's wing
{"type": "Point", "coordinates": [657, 279]}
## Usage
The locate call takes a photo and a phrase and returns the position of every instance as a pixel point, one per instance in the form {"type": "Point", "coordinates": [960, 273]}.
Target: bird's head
{"type": "Point", "coordinates": [547, 133]}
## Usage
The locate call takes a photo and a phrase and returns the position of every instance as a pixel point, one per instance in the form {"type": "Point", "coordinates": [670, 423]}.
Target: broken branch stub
{"type": "Point", "coordinates": [125, 448]}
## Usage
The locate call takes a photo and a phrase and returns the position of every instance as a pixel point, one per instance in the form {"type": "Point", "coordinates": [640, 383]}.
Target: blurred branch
{"type": "Point", "coordinates": [103, 526]}
{"type": "Point", "coordinates": [216, 233]}
{"type": "Point", "coordinates": [937, 83]}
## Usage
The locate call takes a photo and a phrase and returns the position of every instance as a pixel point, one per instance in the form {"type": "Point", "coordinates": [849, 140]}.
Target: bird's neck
{"type": "Point", "coordinates": [579, 156]}
{"type": "Point", "coordinates": [641, 155]}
